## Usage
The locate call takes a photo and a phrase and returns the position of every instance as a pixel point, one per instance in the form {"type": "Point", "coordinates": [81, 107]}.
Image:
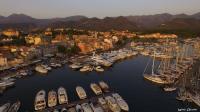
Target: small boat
{"type": "Point", "coordinates": [96, 107]}
{"type": "Point", "coordinates": [15, 107]}
{"type": "Point", "coordinates": [41, 69]}
{"type": "Point", "coordinates": [112, 104]}
{"type": "Point", "coordinates": [40, 102]}
{"type": "Point", "coordinates": [53, 65]}
{"type": "Point", "coordinates": [64, 110]}
{"type": "Point", "coordinates": [5, 107]}
{"type": "Point", "coordinates": [121, 102]}
{"type": "Point", "coordinates": [86, 107]}
{"type": "Point", "coordinates": [79, 108]}
{"type": "Point", "coordinates": [75, 66]}
{"type": "Point", "coordinates": [72, 109]}
{"type": "Point", "coordinates": [52, 99]}
{"type": "Point", "coordinates": [6, 83]}
{"type": "Point", "coordinates": [23, 73]}
{"type": "Point", "coordinates": [86, 68]}
{"type": "Point", "coordinates": [169, 89]}
{"type": "Point", "coordinates": [58, 65]}
{"type": "Point", "coordinates": [96, 89]}
{"type": "Point", "coordinates": [62, 96]}
{"type": "Point", "coordinates": [103, 103]}
{"type": "Point", "coordinates": [99, 69]}
{"type": "Point", "coordinates": [104, 86]}
{"type": "Point", "coordinates": [81, 92]}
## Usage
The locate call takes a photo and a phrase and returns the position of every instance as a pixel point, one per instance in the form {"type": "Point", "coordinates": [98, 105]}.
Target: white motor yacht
{"type": "Point", "coordinates": [104, 86]}
{"type": "Point", "coordinates": [96, 89]}
{"type": "Point", "coordinates": [5, 107]}
{"type": "Point", "coordinates": [62, 96]}
{"type": "Point", "coordinates": [86, 107]}
{"type": "Point", "coordinates": [81, 92]}
{"type": "Point", "coordinates": [41, 69]}
{"type": "Point", "coordinates": [112, 104]}
{"type": "Point", "coordinates": [99, 69]}
{"type": "Point", "coordinates": [79, 108]}
{"type": "Point", "coordinates": [52, 99]}
{"type": "Point", "coordinates": [121, 102]}
{"type": "Point", "coordinates": [86, 68]}
{"type": "Point", "coordinates": [96, 107]}
{"type": "Point", "coordinates": [75, 66]}
{"type": "Point", "coordinates": [40, 102]}
{"type": "Point", "coordinates": [15, 107]}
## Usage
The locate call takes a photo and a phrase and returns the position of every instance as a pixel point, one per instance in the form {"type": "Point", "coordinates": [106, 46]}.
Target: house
{"type": "Point", "coordinates": [10, 33]}
{"type": "Point", "coordinates": [3, 61]}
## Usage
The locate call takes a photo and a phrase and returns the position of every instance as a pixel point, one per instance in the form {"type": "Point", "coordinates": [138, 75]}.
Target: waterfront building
{"type": "Point", "coordinates": [10, 33]}
{"type": "Point", "coordinates": [3, 61]}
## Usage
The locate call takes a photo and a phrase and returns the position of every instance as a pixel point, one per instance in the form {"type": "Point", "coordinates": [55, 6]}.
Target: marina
{"type": "Point", "coordinates": [122, 64]}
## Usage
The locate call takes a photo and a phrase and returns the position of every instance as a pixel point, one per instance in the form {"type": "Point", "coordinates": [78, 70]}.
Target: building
{"type": "Point", "coordinates": [33, 39]}
{"type": "Point", "coordinates": [158, 35]}
{"type": "Point", "coordinates": [3, 61]}
{"type": "Point", "coordinates": [10, 33]}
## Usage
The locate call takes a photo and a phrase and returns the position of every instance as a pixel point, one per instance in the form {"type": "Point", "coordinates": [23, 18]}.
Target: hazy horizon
{"type": "Point", "coordinates": [43, 9]}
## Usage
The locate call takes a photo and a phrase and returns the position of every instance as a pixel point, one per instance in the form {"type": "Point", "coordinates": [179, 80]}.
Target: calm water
{"type": "Point", "coordinates": [124, 77]}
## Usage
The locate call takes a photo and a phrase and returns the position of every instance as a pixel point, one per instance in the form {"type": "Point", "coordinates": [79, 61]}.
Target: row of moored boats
{"type": "Point", "coordinates": [114, 102]}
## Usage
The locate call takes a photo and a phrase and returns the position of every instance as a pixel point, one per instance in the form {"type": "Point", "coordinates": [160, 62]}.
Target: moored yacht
{"type": "Point", "coordinates": [75, 66]}
{"type": "Point", "coordinates": [62, 95]}
{"type": "Point", "coordinates": [112, 104]}
{"type": "Point", "coordinates": [64, 110]}
{"type": "Point", "coordinates": [52, 99]}
{"type": "Point", "coordinates": [96, 89]}
{"type": "Point", "coordinates": [86, 68]}
{"type": "Point", "coordinates": [86, 107]}
{"type": "Point", "coordinates": [79, 108]}
{"type": "Point", "coordinates": [157, 79]}
{"type": "Point", "coordinates": [103, 103]}
{"type": "Point", "coordinates": [169, 89]}
{"type": "Point", "coordinates": [15, 107]}
{"type": "Point", "coordinates": [121, 102]}
{"type": "Point", "coordinates": [96, 107]}
{"type": "Point", "coordinates": [104, 86]}
{"type": "Point", "coordinates": [41, 69]}
{"type": "Point", "coordinates": [72, 109]}
{"type": "Point", "coordinates": [40, 102]}
{"type": "Point", "coordinates": [81, 92]}
{"type": "Point", "coordinates": [5, 107]}
{"type": "Point", "coordinates": [99, 69]}
{"type": "Point", "coordinates": [195, 98]}
{"type": "Point", "coordinates": [6, 83]}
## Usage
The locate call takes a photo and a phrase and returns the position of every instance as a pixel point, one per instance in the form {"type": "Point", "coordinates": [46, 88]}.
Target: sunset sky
{"type": "Point", "coordinates": [96, 8]}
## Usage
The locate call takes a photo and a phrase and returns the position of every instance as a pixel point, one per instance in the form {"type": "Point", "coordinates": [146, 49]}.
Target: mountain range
{"type": "Point", "coordinates": [157, 21]}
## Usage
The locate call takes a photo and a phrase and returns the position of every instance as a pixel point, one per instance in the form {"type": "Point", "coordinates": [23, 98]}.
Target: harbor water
{"type": "Point", "coordinates": [124, 77]}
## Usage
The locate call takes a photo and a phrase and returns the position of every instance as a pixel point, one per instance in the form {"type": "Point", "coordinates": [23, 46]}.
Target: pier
{"type": "Point", "coordinates": [74, 103]}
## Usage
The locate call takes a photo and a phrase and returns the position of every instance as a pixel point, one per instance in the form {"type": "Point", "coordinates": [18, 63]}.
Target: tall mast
{"type": "Point", "coordinates": [153, 64]}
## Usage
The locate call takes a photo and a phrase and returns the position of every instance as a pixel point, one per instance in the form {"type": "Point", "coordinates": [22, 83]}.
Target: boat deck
{"type": "Point", "coordinates": [73, 104]}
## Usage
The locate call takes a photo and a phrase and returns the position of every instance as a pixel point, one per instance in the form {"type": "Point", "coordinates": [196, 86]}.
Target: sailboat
{"type": "Point", "coordinates": [156, 78]}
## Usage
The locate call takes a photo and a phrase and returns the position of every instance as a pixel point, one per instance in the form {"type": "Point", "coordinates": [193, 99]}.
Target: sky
{"type": "Point", "coordinates": [97, 8]}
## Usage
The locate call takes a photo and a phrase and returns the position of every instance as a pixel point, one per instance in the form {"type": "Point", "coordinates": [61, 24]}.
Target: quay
{"type": "Point", "coordinates": [74, 103]}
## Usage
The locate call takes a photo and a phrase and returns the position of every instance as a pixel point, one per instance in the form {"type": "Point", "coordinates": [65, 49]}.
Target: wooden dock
{"type": "Point", "coordinates": [73, 104]}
